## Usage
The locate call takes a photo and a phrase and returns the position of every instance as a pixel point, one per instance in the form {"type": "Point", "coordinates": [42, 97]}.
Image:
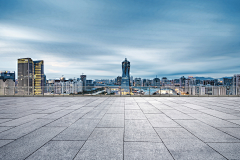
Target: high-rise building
{"type": "Point", "coordinates": [137, 82]}
{"type": "Point", "coordinates": [38, 77]}
{"type": "Point", "coordinates": [156, 82]}
{"type": "Point", "coordinates": [236, 84]}
{"type": "Point", "coordinates": [125, 73]}
{"type": "Point", "coordinates": [227, 81]}
{"type": "Point", "coordinates": [131, 80]}
{"type": "Point", "coordinates": [25, 76]}
{"type": "Point", "coordinates": [119, 80]}
{"type": "Point", "coordinates": [83, 79]}
{"type": "Point", "coordinates": [182, 81]}
{"type": "Point", "coordinates": [144, 82]}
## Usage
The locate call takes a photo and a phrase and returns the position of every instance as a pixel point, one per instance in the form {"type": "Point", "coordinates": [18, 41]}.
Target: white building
{"type": "Point", "coordinates": [7, 87]}
{"type": "Point", "coordinates": [236, 84]}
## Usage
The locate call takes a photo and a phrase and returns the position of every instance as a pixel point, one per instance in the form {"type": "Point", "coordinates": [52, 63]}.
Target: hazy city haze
{"type": "Point", "coordinates": [164, 38]}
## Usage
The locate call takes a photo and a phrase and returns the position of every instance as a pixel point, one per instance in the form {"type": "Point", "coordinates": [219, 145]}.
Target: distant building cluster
{"type": "Point", "coordinates": [31, 80]}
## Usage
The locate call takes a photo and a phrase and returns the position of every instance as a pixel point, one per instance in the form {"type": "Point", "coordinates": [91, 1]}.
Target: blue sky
{"type": "Point", "coordinates": [165, 38]}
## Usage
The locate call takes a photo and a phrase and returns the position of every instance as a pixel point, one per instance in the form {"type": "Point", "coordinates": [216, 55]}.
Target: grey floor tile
{"type": "Point", "coordinates": [213, 121]}
{"type": "Point", "coordinates": [232, 131]}
{"type": "Point", "coordinates": [174, 114]}
{"type": "Point", "coordinates": [219, 114]}
{"type": "Point", "coordinates": [205, 132]}
{"type": "Point", "coordinates": [151, 109]}
{"type": "Point", "coordinates": [57, 150]}
{"type": "Point", "coordinates": [22, 120]}
{"type": "Point", "coordinates": [51, 110]}
{"type": "Point", "coordinates": [4, 129]}
{"type": "Point", "coordinates": [104, 143]}
{"type": "Point", "coordinates": [134, 114]}
{"type": "Point", "coordinates": [146, 151]}
{"type": "Point", "coordinates": [140, 130]}
{"type": "Point", "coordinates": [118, 110]}
{"type": "Point", "coordinates": [112, 120]}
{"type": "Point", "coordinates": [187, 110]}
{"type": "Point", "coordinates": [24, 129]}
{"type": "Point", "coordinates": [229, 150]}
{"type": "Point", "coordinates": [95, 114]}
{"type": "Point", "coordinates": [5, 120]}
{"type": "Point", "coordinates": [80, 130]}
{"type": "Point", "coordinates": [235, 121]}
{"type": "Point", "coordinates": [161, 120]}
{"type": "Point", "coordinates": [57, 114]}
{"type": "Point", "coordinates": [24, 146]}
{"type": "Point", "coordinates": [131, 106]}
{"type": "Point", "coordinates": [67, 120]}
{"type": "Point", "coordinates": [183, 145]}
{"type": "Point", "coordinates": [4, 142]}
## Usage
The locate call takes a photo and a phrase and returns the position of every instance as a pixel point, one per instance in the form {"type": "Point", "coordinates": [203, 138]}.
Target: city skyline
{"type": "Point", "coordinates": [164, 38]}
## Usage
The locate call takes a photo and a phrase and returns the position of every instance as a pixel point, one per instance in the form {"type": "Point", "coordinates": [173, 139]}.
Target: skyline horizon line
{"type": "Point", "coordinates": [144, 77]}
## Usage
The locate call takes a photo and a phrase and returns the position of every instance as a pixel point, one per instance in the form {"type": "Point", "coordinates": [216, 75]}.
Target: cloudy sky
{"type": "Point", "coordinates": [164, 37]}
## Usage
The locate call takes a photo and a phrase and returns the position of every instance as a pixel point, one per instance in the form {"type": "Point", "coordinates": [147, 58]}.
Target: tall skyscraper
{"type": "Point", "coordinates": [125, 73]}
{"type": "Point", "coordinates": [38, 77]}
{"type": "Point", "coordinates": [83, 79]}
{"type": "Point", "coordinates": [25, 76]}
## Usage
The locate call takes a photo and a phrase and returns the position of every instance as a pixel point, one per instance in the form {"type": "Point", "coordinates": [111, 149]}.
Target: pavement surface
{"type": "Point", "coordinates": [180, 128]}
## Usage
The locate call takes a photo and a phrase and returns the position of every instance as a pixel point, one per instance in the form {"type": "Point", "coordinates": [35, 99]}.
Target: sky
{"type": "Point", "coordinates": [163, 38]}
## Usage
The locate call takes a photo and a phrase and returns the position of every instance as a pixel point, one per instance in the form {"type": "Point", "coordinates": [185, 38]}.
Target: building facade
{"type": "Point", "coordinates": [83, 79]}
{"type": "Point", "coordinates": [39, 77]}
{"type": "Point", "coordinates": [25, 76]}
{"type": "Point", "coordinates": [125, 73]}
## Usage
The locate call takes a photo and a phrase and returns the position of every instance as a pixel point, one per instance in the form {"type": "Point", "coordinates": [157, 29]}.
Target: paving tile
{"type": "Point", "coordinates": [146, 150]}
{"type": "Point", "coordinates": [155, 127]}
{"type": "Point", "coordinates": [187, 110]}
{"type": "Point", "coordinates": [22, 120]}
{"type": "Point", "coordinates": [4, 142]}
{"type": "Point", "coordinates": [134, 114]}
{"type": "Point", "coordinates": [112, 120]}
{"type": "Point", "coordinates": [235, 121]}
{"type": "Point", "coordinates": [24, 129]}
{"type": "Point", "coordinates": [194, 106]}
{"type": "Point", "coordinates": [119, 110]}
{"type": "Point", "coordinates": [57, 150]}
{"type": "Point", "coordinates": [213, 121]}
{"type": "Point", "coordinates": [67, 120]}
{"type": "Point", "coordinates": [174, 114]}
{"type": "Point", "coordinates": [151, 109]}
{"type": "Point", "coordinates": [162, 107]}
{"type": "Point", "coordinates": [80, 130]}
{"type": "Point", "coordinates": [140, 130]}
{"type": "Point", "coordinates": [25, 146]}
{"type": "Point", "coordinates": [228, 150]}
{"type": "Point", "coordinates": [131, 106]}
{"type": "Point", "coordinates": [4, 129]}
{"type": "Point", "coordinates": [57, 114]}
{"type": "Point", "coordinates": [104, 143]}
{"type": "Point", "coordinates": [183, 145]}
{"type": "Point", "coordinates": [205, 132]}
{"type": "Point", "coordinates": [235, 132]}
{"type": "Point", "coordinates": [4, 120]}
{"type": "Point", "coordinates": [95, 114]}
{"type": "Point", "coordinates": [51, 110]}
{"type": "Point", "coordinates": [161, 120]}
{"type": "Point", "coordinates": [220, 114]}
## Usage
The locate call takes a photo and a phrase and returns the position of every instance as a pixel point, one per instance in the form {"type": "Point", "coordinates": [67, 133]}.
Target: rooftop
{"type": "Point", "coordinates": [119, 128]}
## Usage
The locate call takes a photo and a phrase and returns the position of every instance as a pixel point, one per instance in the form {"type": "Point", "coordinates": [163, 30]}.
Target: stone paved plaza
{"type": "Point", "coordinates": [119, 128]}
